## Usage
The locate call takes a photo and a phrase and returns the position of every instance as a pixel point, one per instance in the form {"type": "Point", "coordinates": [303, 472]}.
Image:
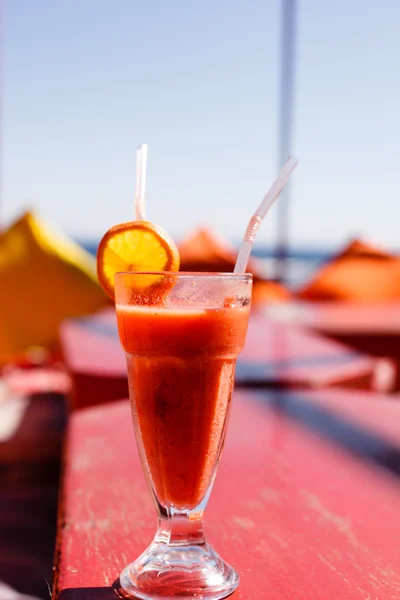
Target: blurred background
{"type": "Point", "coordinates": [221, 92]}
{"type": "Point", "coordinates": [84, 83]}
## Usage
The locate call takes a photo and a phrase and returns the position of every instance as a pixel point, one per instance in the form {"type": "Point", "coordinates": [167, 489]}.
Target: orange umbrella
{"type": "Point", "coordinates": [203, 250]}
{"type": "Point", "coordinates": [360, 273]}
{"type": "Point", "coordinates": [269, 292]}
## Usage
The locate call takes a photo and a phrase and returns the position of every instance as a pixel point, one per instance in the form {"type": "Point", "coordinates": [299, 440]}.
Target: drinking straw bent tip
{"type": "Point", "coordinates": [256, 220]}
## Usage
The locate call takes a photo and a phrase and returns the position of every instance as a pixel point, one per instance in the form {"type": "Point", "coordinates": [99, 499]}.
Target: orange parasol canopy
{"type": "Point", "coordinates": [360, 273]}
{"type": "Point", "coordinates": [204, 250]}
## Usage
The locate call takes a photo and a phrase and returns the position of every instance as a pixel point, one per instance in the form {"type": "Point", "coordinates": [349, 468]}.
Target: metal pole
{"type": "Point", "coordinates": [288, 46]}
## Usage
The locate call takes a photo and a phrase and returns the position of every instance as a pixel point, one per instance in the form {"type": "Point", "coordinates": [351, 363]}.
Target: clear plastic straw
{"type": "Point", "coordinates": [141, 168]}
{"type": "Point", "coordinates": [256, 219]}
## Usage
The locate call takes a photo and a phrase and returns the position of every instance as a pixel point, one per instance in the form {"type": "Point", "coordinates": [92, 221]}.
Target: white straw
{"type": "Point", "coordinates": [141, 167]}
{"type": "Point", "coordinates": [256, 219]}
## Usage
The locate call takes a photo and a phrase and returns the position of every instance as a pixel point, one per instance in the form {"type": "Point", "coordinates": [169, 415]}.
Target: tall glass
{"type": "Point", "coordinates": [181, 333]}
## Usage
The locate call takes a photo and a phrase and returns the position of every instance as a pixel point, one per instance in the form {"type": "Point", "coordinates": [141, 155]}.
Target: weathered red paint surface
{"type": "Point", "coordinates": [275, 354]}
{"type": "Point", "coordinates": [372, 328]}
{"type": "Point", "coordinates": [94, 359]}
{"type": "Point", "coordinates": [375, 413]}
{"type": "Point", "coordinates": [297, 516]}
{"type": "Point", "coordinates": [91, 344]}
{"type": "Point", "coordinates": [296, 357]}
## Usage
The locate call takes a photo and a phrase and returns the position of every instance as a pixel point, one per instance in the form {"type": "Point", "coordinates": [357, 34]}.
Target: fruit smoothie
{"type": "Point", "coordinates": [181, 364]}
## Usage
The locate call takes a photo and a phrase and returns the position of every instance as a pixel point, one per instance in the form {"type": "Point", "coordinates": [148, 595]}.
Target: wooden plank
{"type": "Point", "coordinates": [364, 423]}
{"type": "Point", "coordinates": [94, 358]}
{"type": "Point", "coordinates": [281, 354]}
{"type": "Point", "coordinates": [275, 354]}
{"type": "Point", "coordinates": [298, 517]}
{"type": "Point", "coordinates": [378, 414]}
{"type": "Point", "coordinates": [372, 328]}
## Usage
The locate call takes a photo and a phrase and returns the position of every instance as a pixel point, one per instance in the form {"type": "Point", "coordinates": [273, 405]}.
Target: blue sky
{"type": "Point", "coordinates": [86, 82]}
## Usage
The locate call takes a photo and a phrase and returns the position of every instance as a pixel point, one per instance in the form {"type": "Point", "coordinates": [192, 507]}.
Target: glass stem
{"type": "Point", "coordinates": [180, 529]}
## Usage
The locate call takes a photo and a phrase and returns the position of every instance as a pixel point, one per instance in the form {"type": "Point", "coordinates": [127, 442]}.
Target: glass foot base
{"type": "Point", "coordinates": [168, 572]}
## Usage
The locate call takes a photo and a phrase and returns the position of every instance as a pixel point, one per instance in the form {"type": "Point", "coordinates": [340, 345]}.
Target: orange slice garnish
{"type": "Point", "coordinates": [138, 246]}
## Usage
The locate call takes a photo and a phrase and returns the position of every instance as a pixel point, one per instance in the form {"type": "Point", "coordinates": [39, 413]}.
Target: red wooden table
{"type": "Point", "coordinates": [94, 359]}
{"type": "Point", "coordinates": [371, 328]}
{"type": "Point", "coordinates": [377, 414]}
{"type": "Point", "coordinates": [299, 517]}
{"type": "Point", "coordinates": [365, 423]}
{"type": "Point", "coordinates": [276, 354]}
